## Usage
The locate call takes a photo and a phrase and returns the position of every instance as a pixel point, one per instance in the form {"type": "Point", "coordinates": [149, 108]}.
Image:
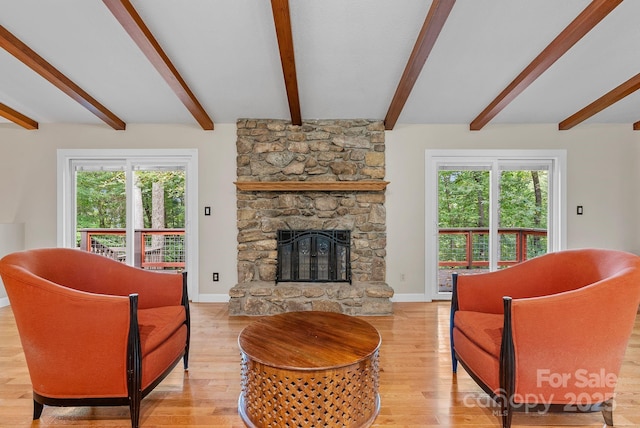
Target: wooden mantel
{"type": "Point", "coordinates": [318, 186]}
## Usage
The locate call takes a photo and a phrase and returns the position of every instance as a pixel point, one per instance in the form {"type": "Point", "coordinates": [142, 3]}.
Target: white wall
{"type": "Point", "coordinates": [28, 184]}
{"type": "Point", "coordinates": [602, 163]}
{"type": "Point", "coordinates": [11, 239]}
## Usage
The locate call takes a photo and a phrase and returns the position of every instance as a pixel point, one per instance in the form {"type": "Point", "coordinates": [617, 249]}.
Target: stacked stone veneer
{"type": "Point", "coordinates": [323, 150]}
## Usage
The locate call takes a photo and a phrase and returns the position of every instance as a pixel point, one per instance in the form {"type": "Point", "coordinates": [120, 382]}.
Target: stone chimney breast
{"type": "Point", "coordinates": [279, 155]}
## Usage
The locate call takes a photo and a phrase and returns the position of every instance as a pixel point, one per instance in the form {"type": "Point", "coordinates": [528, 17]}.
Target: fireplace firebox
{"type": "Point", "coordinates": [314, 256]}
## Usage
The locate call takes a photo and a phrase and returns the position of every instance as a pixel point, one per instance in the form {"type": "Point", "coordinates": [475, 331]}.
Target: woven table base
{"type": "Point", "coordinates": [341, 397]}
{"type": "Point", "coordinates": [309, 370]}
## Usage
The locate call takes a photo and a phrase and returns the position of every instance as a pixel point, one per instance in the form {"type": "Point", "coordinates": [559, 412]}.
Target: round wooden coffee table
{"type": "Point", "coordinates": [316, 369]}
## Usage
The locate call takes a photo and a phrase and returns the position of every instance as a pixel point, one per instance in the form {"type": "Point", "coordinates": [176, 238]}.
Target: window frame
{"type": "Point", "coordinates": [129, 158]}
{"type": "Point", "coordinates": [492, 159]}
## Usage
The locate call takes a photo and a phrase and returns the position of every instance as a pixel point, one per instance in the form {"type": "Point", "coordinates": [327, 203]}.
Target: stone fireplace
{"type": "Point", "coordinates": [323, 175]}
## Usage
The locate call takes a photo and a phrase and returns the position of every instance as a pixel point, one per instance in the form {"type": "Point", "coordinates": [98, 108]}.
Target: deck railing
{"type": "Point", "coordinates": [153, 248]}
{"type": "Point", "coordinates": [469, 247]}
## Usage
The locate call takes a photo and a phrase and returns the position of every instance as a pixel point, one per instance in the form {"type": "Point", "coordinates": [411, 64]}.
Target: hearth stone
{"type": "Point", "coordinates": [266, 298]}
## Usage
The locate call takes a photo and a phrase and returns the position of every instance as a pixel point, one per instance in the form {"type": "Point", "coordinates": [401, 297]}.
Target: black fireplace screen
{"type": "Point", "coordinates": [314, 256]}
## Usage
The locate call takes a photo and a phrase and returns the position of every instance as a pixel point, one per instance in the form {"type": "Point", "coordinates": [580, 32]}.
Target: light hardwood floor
{"type": "Point", "coordinates": [417, 387]}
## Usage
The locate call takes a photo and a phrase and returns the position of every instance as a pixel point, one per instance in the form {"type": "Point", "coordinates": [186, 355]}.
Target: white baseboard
{"type": "Point", "coordinates": [410, 297]}
{"type": "Point", "coordinates": [213, 298]}
{"type": "Point", "coordinates": [224, 298]}
{"type": "Point", "coordinates": [398, 297]}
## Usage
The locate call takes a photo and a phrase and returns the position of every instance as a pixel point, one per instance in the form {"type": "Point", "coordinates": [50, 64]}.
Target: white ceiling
{"type": "Point", "coordinates": [349, 55]}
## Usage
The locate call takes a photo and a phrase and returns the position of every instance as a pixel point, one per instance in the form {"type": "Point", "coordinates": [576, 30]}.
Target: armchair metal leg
{"type": "Point", "coordinates": [454, 308]}
{"type": "Point", "coordinates": [37, 409]}
{"type": "Point", "coordinates": [607, 412]}
{"type": "Point", "coordinates": [506, 416]}
{"type": "Point", "coordinates": [507, 366]}
{"type": "Point", "coordinates": [185, 303]}
{"type": "Point", "coordinates": [134, 363]}
{"type": "Point", "coordinates": [507, 413]}
{"type": "Point", "coordinates": [134, 408]}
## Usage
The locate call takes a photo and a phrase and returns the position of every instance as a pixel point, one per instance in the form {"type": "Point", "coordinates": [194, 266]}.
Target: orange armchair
{"type": "Point", "coordinates": [549, 333]}
{"type": "Point", "coordinates": [95, 332]}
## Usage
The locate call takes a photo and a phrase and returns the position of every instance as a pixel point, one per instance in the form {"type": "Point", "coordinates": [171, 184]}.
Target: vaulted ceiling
{"type": "Point", "coordinates": [201, 62]}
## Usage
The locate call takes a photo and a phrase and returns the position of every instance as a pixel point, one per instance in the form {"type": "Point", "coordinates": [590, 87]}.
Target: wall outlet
{"type": "Point", "coordinates": [216, 277]}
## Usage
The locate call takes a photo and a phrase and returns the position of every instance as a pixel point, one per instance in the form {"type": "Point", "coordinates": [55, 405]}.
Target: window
{"type": "Point", "coordinates": [135, 206]}
{"type": "Point", "coordinates": [487, 210]}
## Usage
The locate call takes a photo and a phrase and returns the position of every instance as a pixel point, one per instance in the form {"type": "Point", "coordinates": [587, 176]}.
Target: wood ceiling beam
{"type": "Point", "coordinates": [636, 126]}
{"type": "Point", "coordinates": [433, 24]}
{"type": "Point", "coordinates": [581, 25]}
{"type": "Point", "coordinates": [31, 59]}
{"type": "Point", "coordinates": [282, 20]}
{"type": "Point", "coordinates": [17, 117]}
{"type": "Point", "coordinates": [133, 24]}
{"type": "Point", "coordinates": [611, 97]}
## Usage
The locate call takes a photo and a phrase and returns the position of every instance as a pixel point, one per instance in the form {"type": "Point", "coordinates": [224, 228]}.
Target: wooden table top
{"type": "Point", "coordinates": [309, 340]}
